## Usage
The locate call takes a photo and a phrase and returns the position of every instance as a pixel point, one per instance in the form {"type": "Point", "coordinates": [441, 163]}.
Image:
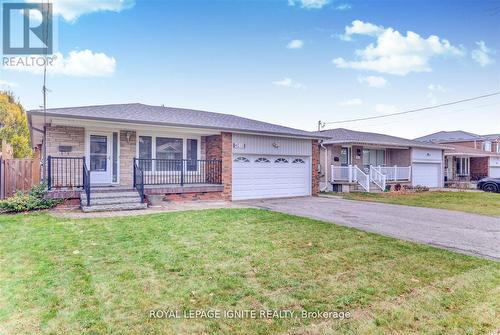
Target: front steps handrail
{"type": "Point", "coordinates": [378, 178]}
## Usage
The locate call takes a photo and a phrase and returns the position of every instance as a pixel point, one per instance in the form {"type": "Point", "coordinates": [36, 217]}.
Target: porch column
{"type": "Point", "coordinates": [126, 157]}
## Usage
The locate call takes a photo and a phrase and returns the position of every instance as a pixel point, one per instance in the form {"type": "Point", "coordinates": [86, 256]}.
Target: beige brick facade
{"type": "Point", "coordinates": [127, 154]}
{"type": "Point", "coordinates": [66, 136]}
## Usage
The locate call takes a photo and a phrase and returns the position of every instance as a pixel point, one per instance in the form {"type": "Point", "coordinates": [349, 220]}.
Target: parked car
{"type": "Point", "coordinates": [489, 184]}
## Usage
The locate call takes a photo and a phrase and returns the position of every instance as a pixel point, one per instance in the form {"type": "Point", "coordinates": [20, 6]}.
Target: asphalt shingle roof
{"type": "Point", "coordinates": [449, 136]}
{"type": "Point", "coordinates": [344, 136]}
{"type": "Point", "coordinates": [467, 151]}
{"type": "Point", "coordinates": [169, 116]}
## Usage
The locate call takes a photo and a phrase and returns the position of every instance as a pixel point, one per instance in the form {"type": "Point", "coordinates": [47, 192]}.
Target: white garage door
{"type": "Point", "coordinates": [270, 176]}
{"type": "Point", "coordinates": [495, 171]}
{"type": "Point", "coordinates": [426, 174]}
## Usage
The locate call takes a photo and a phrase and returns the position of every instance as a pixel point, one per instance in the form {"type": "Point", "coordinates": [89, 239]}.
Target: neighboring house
{"type": "Point", "coordinates": [352, 159]}
{"type": "Point", "coordinates": [178, 153]}
{"type": "Point", "coordinates": [470, 156]}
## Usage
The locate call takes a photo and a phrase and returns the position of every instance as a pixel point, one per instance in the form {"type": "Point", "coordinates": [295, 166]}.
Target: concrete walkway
{"type": "Point", "coordinates": [472, 234]}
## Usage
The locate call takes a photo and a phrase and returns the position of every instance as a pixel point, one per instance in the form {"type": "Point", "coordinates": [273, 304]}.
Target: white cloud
{"type": "Point", "coordinates": [344, 6]}
{"type": "Point", "coordinates": [361, 28]}
{"type": "Point", "coordinates": [385, 109]}
{"type": "Point", "coordinates": [288, 82]}
{"type": "Point", "coordinates": [434, 90]}
{"type": "Point", "coordinates": [395, 53]}
{"type": "Point", "coordinates": [373, 81]}
{"type": "Point", "coordinates": [85, 63]}
{"type": "Point", "coordinates": [7, 84]}
{"type": "Point", "coordinates": [70, 10]}
{"type": "Point", "coordinates": [351, 102]}
{"type": "Point", "coordinates": [295, 44]}
{"type": "Point", "coordinates": [309, 4]}
{"type": "Point", "coordinates": [482, 55]}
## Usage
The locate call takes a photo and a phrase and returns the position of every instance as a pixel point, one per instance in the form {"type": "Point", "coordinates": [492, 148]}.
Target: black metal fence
{"type": "Point", "coordinates": [65, 172]}
{"type": "Point", "coordinates": [179, 171]}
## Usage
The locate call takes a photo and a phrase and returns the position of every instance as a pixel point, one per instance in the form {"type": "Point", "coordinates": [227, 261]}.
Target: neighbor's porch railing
{"type": "Point", "coordinates": [179, 171]}
{"type": "Point", "coordinates": [395, 173]}
{"type": "Point", "coordinates": [350, 174]}
{"type": "Point", "coordinates": [378, 178]}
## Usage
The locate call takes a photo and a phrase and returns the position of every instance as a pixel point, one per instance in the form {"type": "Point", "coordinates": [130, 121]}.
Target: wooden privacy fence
{"type": "Point", "coordinates": [18, 175]}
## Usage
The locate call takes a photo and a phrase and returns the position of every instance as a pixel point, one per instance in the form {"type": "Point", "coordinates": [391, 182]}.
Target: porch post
{"type": "Point", "coordinates": [133, 177]}
{"type": "Point", "coordinates": [395, 172]}
{"type": "Point", "coordinates": [49, 173]}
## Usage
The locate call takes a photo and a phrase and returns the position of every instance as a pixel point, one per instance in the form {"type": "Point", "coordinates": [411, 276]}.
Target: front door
{"type": "Point", "coordinates": [345, 156]}
{"type": "Point", "coordinates": [99, 158]}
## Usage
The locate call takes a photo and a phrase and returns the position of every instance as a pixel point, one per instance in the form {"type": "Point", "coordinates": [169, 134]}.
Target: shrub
{"type": "Point", "coordinates": [33, 200]}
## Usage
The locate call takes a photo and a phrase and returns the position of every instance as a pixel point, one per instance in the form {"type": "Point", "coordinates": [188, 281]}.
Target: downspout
{"type": "Point", "coordinates": [326, 166]}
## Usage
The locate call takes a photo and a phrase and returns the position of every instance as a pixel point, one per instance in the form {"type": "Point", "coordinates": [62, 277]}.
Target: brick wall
{"type": "Point", "coordinates": [127, 154]}
{"type": "Point", "coordinates": [213, 147]}
{"type": "Point", "coordinates": [227, 164]}
{"type": "Point", "coordinates": [314, 172]}
{"type": "Point", "coordinates": [399, 157]}
{"type": "Point", "coordinates": [479, 166]}
{"type": "Point", "coordinates": [355, 160]}
{"type": "Point", "coordinates": [193, 196]}
{"type": "Point", "coordinates": [67, 136]}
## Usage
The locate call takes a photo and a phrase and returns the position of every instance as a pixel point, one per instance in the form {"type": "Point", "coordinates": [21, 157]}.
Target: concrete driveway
{"type": "Point", "coordinates": [472, 234]}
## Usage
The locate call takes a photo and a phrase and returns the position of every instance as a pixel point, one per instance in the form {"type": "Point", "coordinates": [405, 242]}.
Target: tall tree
{"type": "Point", "coordinates": [14, 125]}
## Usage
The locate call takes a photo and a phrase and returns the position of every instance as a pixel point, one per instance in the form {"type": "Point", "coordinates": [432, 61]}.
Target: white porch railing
{"type": "Point", "coordinates": [378, 178]}
{"type": "Point", "coordinates": [395, 173]}
{"type": "Point", "coordinates": [379, 175]}
{"type": "Point", "coordinates": [350, 174]}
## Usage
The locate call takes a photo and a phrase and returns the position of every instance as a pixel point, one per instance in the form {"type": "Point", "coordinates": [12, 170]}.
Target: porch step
{"type": "Point", "coordinates": [114, 207]}
{"type": "Point", "coordinates": [106, 195]}
{"type": "Point", "coordinates": [115, 200]}
{"type": "Point", "coordinates": [111, 201]}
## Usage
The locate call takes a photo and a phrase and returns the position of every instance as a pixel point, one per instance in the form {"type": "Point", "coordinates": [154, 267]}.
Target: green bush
{"type": "Point", "coordinates": [31, 201]}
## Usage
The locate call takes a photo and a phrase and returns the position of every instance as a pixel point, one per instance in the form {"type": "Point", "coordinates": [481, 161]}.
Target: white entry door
{"type": "Point", "coordinates": [262, 176]}
{"type": "Point", "coordinates": [99, 158]}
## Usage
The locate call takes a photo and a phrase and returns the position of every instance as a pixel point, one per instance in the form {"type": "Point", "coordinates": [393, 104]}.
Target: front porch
{"type": "Point", "coordinates": [366, 168]}
{"type": "Point", "coordinates": [376, 178]}
{"type": "Point", "coordinates": [69, 177]}
{"type": "Point", "coordinates": [465, 170]}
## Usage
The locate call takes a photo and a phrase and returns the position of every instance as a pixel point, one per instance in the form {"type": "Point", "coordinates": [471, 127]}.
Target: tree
{"type": "Point", "coordinates": [14, 125]}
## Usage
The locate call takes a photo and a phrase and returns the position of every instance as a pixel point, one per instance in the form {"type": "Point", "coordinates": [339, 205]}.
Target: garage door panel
{"type": "Point", "coordinates": [277, 178]}
{"type": "Point", "coordinates": [494, 171]}
{"type": "Point", "coordinates": [426, 174]}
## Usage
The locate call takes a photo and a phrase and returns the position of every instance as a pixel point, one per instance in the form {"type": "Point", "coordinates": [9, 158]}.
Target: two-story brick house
{"type": "Point", "coordinates": [470, 157]}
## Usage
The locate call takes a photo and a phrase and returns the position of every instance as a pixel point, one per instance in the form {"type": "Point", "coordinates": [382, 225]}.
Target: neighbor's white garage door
{"type": "Point", "coordinates": [495, 171]}
{"type": "Point", "coordinates": [426, 174]}
{"type": "Point", "coordinates": [264, 176]}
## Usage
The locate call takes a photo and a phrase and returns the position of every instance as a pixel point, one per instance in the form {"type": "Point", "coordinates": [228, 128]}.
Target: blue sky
{"type": "Point", "coordinates": [286, 62]}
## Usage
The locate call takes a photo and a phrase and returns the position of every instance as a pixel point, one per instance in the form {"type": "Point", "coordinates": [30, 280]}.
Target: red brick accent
{"type": "Point", "coordinates": [227, 165]}
{"type": "Point", "coordinates": [315, 162]}
{"type": "Point", "coordinates": [193, 196]}
{"type": "Point", "coordinates": [479, 166]}
{"type": "Point", "coordinates": [63, 194]}
{"type": "Point", "coordinates": [213, 147]}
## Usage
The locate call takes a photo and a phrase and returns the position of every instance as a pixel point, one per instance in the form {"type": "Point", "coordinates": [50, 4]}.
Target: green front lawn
{"type": "Point", "coordinates": [472, 202]}
{"type": "Point", "coordinates": [99, 276]}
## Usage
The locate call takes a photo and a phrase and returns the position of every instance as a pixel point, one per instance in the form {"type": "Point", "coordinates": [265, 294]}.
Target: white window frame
{"type": "Point", "coordinates": [487, 145]}
{"type": "Point", "coordinates": [154, 135]}
{"type": "Point", "coordinates": [464, 166]}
